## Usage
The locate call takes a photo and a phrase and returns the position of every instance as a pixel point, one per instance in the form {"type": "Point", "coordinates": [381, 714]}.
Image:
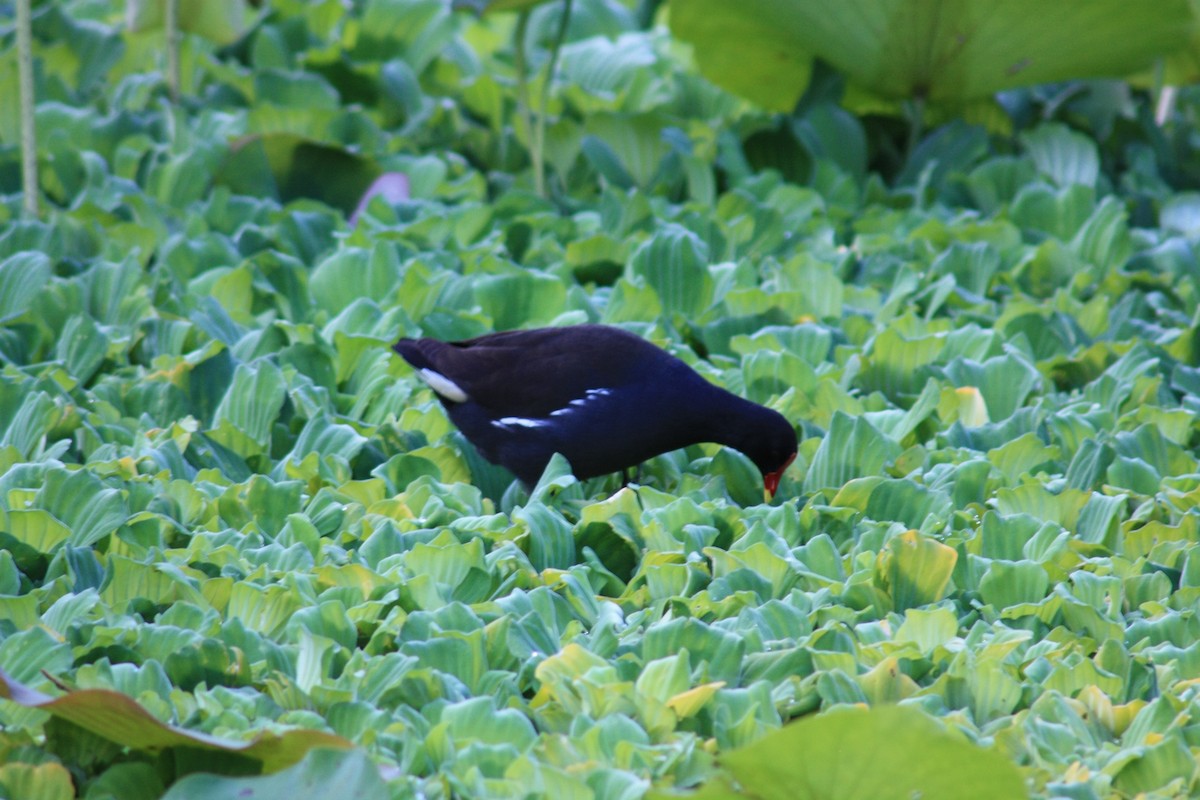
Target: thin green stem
{"type": "Point", "coordinates": [522, 67]}
{"type": "Point", "coordinates": [29, 176]}
{"type": "Point", "coordinates": [539, 138]}
{"type": "Point", "coordinates": [172, 33]}
{"type": "Point", "coordinates": [916, 122]}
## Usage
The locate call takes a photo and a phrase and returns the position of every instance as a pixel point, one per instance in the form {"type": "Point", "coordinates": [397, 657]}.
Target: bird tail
{"type": "Point", "coordinates": [410, 350]}
{"type": "Point", "coordinates": [418, 352]}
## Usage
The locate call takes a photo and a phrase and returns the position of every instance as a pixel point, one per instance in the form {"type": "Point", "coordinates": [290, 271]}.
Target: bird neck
{"type": "Point", "coordinates": [725, 418]}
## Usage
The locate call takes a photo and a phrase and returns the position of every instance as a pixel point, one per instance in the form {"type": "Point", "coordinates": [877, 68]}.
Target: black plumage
{"type": "Point", "coordinates": [603, 397]}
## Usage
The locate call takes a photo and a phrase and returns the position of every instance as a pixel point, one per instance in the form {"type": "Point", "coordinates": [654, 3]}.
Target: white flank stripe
{"type": "Point", "coordinates": [507, 423]}
{"type": "Point", "coordinates": [589, 394]}
{"type": "Point", "coordinates": [443, 385]}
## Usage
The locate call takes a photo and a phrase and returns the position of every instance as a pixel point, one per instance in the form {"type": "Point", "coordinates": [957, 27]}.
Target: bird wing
{"type": "Point", "coordinates": [530, 374]}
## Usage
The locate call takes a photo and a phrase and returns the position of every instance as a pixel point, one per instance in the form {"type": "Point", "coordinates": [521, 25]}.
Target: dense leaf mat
{"type": "Point", "coordinates": [222, 496]}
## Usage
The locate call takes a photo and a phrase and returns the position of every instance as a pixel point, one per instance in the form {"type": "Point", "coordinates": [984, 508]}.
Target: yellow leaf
{"type": "Point", "coordinates": [1077, 773]}
{"type": "Point", "coordinates": [353, 575]}
{"type": "Point", "coordinates": [915, 570]}
{"type": "Point", "coordinates": [972, 410]}
{"type": "Point", "coordinates": [686, 704]}
{"type": "Point", "coordinates": [1099, 706]}
{"type": "Point", "coordinates": [367, 492]}
{"type": "Point", "coordinates": [392, 509]}
{"type": "Point", "coordinates": [44, 781]}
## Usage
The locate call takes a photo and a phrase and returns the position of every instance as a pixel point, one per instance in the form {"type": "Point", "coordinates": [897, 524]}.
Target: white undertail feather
{"type": "Point", "coordinates": [443, 385]}
{"type": "Point", "coordinates": [522, 421]}
{"type": "Point", "coordinates": [505, 422]}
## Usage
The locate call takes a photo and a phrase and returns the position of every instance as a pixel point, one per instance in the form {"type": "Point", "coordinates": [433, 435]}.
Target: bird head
{"type": "Point", "coordinates": [772, 447]}
{"type": "Point", "coordinates": [771, 479]}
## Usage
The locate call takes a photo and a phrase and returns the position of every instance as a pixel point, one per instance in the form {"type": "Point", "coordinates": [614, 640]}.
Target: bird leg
{"type": "Point", "coordinates": [632, 474]}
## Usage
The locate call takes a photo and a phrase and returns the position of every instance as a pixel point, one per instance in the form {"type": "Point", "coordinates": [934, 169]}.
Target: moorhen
{"type": "Point", "coordinates": [603, 397]}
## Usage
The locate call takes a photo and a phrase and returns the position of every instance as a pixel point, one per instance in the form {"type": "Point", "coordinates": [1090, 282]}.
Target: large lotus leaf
{"type": "Point", "coordinates": [943, 51]}
{"type": "Point", "coordinates": [288, 166]}
{"type": "Point", "coordinates": [119, 718]}
{"type": "Point", "coordinates": [885, 753]}
{"type": "Point", "coordinates": [322, 773]}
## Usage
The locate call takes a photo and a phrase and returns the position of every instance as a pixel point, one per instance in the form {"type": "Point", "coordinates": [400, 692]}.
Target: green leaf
{"type": "Point", "coordinates": [37, 528]}
{"type": "Point", "coordinates": [742, 479]}
{"type": "Point", "coordinates": [1004, 381]}
{"type": "Point", "coordinates": [26, 655]}
{"type": "Point", "coordinates": [1104, 240]}
{"type": "Point", "coordinates": [291, 164]}
{"type": "Point", "coordinates": [737, 51]}
{"type": "Point", "coordinates": [885, 753]}
{"type": "Point", "coordinates": [221, 22]}
{"type": "Point", "coordinates": [478, 720]}
{"type": "Point", "coordinates": [927, 628]}
{"type": "Point", "coordinates": [29, 424]}
{"type": "Point", "coordinates": [119, 719]}
{"type": "Point", "coordinates": [896, 49]}
{"type": "Point", "coordinates": [352, 273]}
{"type": "Point", "coordinates": [497, 6]}
{"type": "Point", "coordinates": [520, 299]}
{"type": "Point", "coordinates": [895, 365]}
{"type": "Point", "coordinates": [22, 277]}
{"type": "Point", "coordinates": [48, 781]}
{"type": "Point", "coordinates": [674, 262]}
{"type": "Point", "coordinates": [1010, 583]}
{"type": "Point", "coordinates": [915, 570]}
{"type": "Point", "coordinates": [1064, 156]}
{"type": "Point", "coordinates": [252, 404]}
{"type": "Point", "coordinates": [84, 503]}
{"type": "Point", "coordinates": [852, 448]}
{"type": "Point", "coordinates": [1021, 455]}
{"type": "Point", "coordinates": [634, 141]}
{"type": "Point", "coordinates": [322, 772]}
